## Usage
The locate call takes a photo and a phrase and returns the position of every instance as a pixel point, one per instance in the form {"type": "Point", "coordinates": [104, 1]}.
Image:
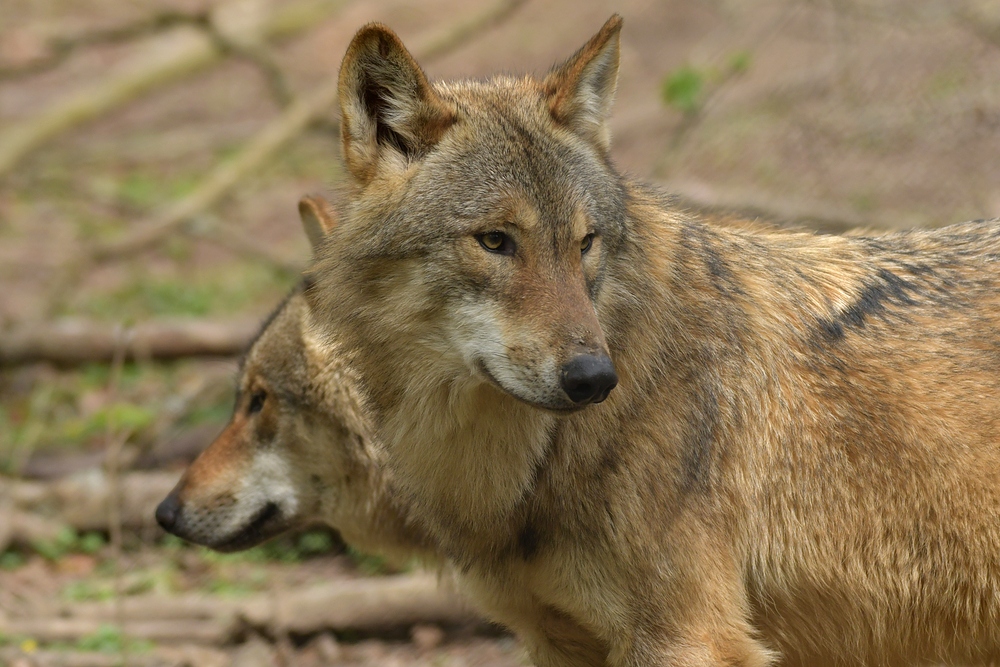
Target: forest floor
{"type": "Point", "coordinates": [141, 203]}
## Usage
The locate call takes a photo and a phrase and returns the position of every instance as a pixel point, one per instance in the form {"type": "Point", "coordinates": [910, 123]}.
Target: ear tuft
{"type": "Point", "coordinates": [388, 108]}
{"type": "Point", "coordinates": [317, 217]}
{"type": "Point", "coordinates": [581, 91]}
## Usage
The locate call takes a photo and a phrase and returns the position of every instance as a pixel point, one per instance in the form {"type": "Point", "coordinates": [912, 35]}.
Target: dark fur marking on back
{"type": "Point", "coordinates": [878, 295]}
{"type": "Point", "coordinates": [700, 240]}
{"type": "Point", "coordinates": [698, 450]}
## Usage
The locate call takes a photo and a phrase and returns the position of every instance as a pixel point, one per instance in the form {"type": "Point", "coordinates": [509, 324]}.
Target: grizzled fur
{"type": "Point", "coordinates": [298, 447]}
{"type": "Point", "coordinates": [801, 462]}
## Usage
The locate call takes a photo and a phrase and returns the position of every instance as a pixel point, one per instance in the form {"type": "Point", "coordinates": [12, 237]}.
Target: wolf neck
{"type": "Point", "coordinates": [373, 522]}
{"type": "Point", "coordinates": [466, 454]}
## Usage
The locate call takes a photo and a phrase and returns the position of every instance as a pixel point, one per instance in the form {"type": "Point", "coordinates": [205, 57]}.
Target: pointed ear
{"type": "Point", "coordinates": [581, 90]}
{"type": "Point", "coordinates": [387, 108]}
{"type": "Point", "coordinates": [317, 218]}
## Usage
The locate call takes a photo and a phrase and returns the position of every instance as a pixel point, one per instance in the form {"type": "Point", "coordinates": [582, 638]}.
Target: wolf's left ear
{"type": "Point", "coordinates": [389, 112]}
{"type": "Point", "coordinates": [581, 90]}
{"type": "Point", "coordinates": [317, 218]}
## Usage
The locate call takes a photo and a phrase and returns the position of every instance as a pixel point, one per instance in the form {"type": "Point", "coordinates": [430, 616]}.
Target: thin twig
{"type": "Point", "coordinates": [296, 118]}
{"type": "Point", "coordinates": [61, 48]}
{"type": "Point", "coordinates": [175, 53]}
{"type": "Point", "coordinates": [261, 57]}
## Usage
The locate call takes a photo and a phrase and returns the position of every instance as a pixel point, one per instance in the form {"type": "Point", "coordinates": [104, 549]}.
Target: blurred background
{"type": "Point", "coordinates": [151, 156]}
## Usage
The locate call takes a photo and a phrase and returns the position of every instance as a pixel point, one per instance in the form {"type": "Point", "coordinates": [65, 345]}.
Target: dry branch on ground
{"type": "Point", "coordinates": [82, 501]}
{"type": "Point", "coordinates": [175, 53]}
{"type": "Point", "coordinates": [60, 48]}
{"type": "Point", "coordinates": [370, 604]}
{"type": "Point", "coordinates": [70, 342]}
{"type": "Point", "coordinates": [292, 122]}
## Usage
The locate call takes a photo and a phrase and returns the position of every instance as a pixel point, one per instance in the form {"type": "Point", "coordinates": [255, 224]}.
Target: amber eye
{"type": "Point", "coordinates": [256, 402]}
{"type": "Point", "coordinates": [497, 242]}
{"type": "Point", "coordinates": [585, 244]}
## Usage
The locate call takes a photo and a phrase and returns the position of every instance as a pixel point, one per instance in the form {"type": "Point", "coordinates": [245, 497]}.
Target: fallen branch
{"type": "Point", "coordinates": [46, 630]}
{"type": "Point", "coordinates": [360, 604]}
{"type": "Point", "coordinates": [293, 121]}
{"type": "Point", "coordinates": [61, 48]}
{"type": "Point", "coordinates": [83, 501]}
{"type": "Point", "coordinates": [174, 54]}
{"type": "Point", "coordinates": [370, 604]}
{"type": "Point", "coordinates": [70, 342]}
{"type": "Point", "coordinates": [160, 656]}
{"type": "Point", "coordinates": [26, 529]}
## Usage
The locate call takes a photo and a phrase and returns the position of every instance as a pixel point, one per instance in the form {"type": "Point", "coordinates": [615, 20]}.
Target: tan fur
{"type": "Point", "coordinates": [308, 449]}
{"type": "Point", "coordinates": [800, 464]}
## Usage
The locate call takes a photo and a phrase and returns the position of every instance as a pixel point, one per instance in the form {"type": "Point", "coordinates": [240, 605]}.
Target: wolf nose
{"type": "Point", "coordinates": [167, 512]}
{"type": "Point", "coordinates": [589, 378]}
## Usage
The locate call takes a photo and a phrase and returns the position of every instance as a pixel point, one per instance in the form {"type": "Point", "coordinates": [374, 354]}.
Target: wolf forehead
{"type": "Point", "coordinates": [502, 149]}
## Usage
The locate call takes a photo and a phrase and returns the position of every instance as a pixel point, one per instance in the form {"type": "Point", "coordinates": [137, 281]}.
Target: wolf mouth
{"type": "Point", "coordinates": [256, 531]}
{"type": "Point", "coordinates": [559, 410]}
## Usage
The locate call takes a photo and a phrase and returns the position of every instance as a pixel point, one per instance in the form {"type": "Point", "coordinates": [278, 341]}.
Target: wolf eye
{"type": "Point", "coordinates": [585, 244]}
{"type": "Point", "coordinates": [497, 242]}
{"type": "Point", "coordinates": [256, 402]}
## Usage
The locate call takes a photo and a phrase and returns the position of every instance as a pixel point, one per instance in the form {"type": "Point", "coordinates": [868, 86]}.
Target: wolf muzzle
{"type": "Point", "coordinates": [168, 511]}
{"type": "Point", "coordinates": [589, 378]}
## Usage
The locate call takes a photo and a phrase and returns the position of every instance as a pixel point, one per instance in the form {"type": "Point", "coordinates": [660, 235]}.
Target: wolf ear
{"type": "Point", "coordinates": [387, 107]}
{"type": "Point", "coordinates": [317, 218]}
{"type": "Point", "coordinates": [581, 90]}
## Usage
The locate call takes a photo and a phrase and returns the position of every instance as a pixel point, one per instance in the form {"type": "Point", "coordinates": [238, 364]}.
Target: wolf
{"type": "Point", "coordinates": [644, 439]}
{"type": "Point", "coordinates": [298, 448]}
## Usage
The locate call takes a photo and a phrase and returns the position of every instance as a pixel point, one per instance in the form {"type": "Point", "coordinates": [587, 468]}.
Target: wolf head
{"type": "Point", "coordinates": [295, 448]}
{"type": "Point", "coordinates": [480, 222]}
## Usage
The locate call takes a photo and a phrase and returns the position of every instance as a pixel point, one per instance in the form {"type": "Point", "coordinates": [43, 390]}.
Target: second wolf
{"type": "Point", "coordinates": [801, 460]}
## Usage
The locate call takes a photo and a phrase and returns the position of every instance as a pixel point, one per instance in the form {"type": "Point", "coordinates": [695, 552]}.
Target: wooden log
{"type": "Point", "coordinates": [73, 341]}
{"type": "Point", "coordinates": [47, 630]}
{"type": "Point", "coordinates": [360, 604]}
{"type": "Point", "coordinates": [165, 656]}
{"type": "Point", "coordinates": [370, 604]}
{"type": "Point", "coordinates": [81, 501]}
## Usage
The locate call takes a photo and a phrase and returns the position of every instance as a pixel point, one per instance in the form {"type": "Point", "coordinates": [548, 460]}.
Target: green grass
{"type": "Point", "coordinates": [109, 639]}
{"type": "Point", "coordinates": [206, 293]}
{"type": "Point", "coordinates": [145, 190]}
{"type": "Point", "coordinates": [687, 87]}
{"type": "Point", "coordinates": [683, 89]}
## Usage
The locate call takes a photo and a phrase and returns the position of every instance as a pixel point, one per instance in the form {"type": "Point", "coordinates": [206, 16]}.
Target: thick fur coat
{"type": "Point", "coordinates": [800, 463]}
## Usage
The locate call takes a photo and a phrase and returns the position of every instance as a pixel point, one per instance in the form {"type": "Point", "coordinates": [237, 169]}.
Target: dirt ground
{"type": "Point", "coordinates": [824, 113]}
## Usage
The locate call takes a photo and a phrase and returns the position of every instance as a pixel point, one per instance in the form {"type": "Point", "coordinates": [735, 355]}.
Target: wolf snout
{"type": "Point", "coordinates": [589, 378]}
{"type": "Point", "coordinates": [167, 512]}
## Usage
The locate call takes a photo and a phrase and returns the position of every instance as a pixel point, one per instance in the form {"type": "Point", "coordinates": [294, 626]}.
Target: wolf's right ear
{"type": "Point", "coordinates": [388, 110]}
{"type": "Point", "coordinates": [581, 90]}
{"type": "Point", "coordinates": [317, 218]}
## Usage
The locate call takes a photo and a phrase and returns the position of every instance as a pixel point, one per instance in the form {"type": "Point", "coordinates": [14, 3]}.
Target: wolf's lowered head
{"type": "Point", "coordinates": [297, 448]}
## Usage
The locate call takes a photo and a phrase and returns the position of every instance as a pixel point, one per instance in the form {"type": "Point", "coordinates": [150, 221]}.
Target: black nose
{"type": "Point", "coordinates": [589, 378]}
{"type": "Point", "coordinates": [167, 512]}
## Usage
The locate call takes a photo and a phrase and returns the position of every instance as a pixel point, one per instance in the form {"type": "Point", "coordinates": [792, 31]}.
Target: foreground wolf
{"type": "Point", "coordinates": [800, 463]}
{"type": "Point", "coordinates": [296, 450]}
